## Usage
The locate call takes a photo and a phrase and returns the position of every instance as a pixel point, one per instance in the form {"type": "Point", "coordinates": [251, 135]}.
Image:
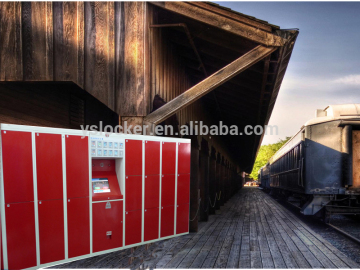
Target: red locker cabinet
{"type": "Point", "coordinates": [184, 155]}
{"type": "Point", "coordinates": [168, 190]}
{"type": "Point", "coordinates": [17, 166]}
{"type": "Point", "coordinates": [183, 189]}
{"type": "Point", "coordinates": [77, 166]}
{"type": "Point", "coordinates": [152, 157]}
{"type": "Point", "coordinates": [107, 225]}
{"type": "Point", "coordinates": [20, 234]}
{"type": "Point", "coordinates": [51, 231]}
{"type": "Point", "coordinates": [78, 226]}
{"type": "Point", "coordinates": [50, 196]}
{"type": "Point", "coordinates": [151, 224]}
{"type": "Point", "coordinates": [168, 157]}
{"type": "Point", "coordinates": [167, 220]}
{"type": "Point", "coordinates": [152, 191]}
{"type": "Point", "coordinates": [132, 227]}
{"type": "Point", "coordinates": [182, 218]}
{"type": "Point", "coordinates": [133, 157]}
{"type": "Point", "coordinates": [49, 166]}
{"type": "Point", "coordinates": [133, 192]}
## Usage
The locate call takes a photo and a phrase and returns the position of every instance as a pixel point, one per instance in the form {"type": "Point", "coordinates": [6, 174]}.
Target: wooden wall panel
{"type": "Point", "coordinates": [131, 65]}
{"type": "Point", "coordinates": [98, 45]}
{"type": "Point", "coordinates": [100, 51]}
{"type": "Point", "coordinates": [37, 41]}
{"type": "Point", "coordinates": [10, 40]}
{"type": "Point", "coordinates": [69, 42]}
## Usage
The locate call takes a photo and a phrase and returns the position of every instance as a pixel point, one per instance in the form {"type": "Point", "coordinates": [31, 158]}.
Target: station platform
{"type": "Point", "coordinates": [252, 230]}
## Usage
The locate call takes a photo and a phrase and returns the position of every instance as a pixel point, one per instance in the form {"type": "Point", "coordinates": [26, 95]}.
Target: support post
{"type": "Point", "coordinates": [204, 181]}
{"type": "Point", "coordinates": [194, 186]}
{"type": "Point", "coordinates": [212, 181]}
{"type": "Point", "coordinates": [218, 180]}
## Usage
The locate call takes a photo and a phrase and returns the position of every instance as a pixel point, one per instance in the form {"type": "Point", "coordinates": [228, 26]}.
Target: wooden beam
{"type": "Point", "coordinates": [209, 84]}
{"type": "Point", "coordinates": [235, 15]}
{"type": "Point", "coordinates": [237, 83]}
{"type": "Point", "coordinates": [225, 23]}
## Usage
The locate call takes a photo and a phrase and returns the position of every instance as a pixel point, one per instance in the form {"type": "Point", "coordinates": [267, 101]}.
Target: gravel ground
{"type": "Point", "coordinates": [349, 224]}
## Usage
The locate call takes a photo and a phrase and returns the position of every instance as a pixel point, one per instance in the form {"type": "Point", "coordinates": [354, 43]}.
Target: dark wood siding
{"type": "Point", "coordinates": [97, 45]}
{"type": "Point", "coordinates": [52, 104]}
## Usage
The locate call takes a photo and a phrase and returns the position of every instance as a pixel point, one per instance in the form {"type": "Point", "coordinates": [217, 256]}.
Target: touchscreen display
{"type": "Point", "coordinates": [100, 185]}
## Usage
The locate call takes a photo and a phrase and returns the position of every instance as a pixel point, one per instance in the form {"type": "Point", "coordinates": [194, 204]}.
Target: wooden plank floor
{"type": "Point", "coordinates": [252, 231]}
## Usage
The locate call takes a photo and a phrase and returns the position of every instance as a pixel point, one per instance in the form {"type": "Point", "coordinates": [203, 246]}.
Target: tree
{"type": "Point", "coordinates": [265, 153]}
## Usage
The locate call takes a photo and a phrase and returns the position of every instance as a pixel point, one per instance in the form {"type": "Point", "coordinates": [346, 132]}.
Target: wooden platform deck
{"type": "Point", "coordinates": [252, 231]}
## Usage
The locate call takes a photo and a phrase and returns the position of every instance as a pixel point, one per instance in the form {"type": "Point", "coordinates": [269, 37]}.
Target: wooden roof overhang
{"type": "Point", "coordinates": [237, 64]}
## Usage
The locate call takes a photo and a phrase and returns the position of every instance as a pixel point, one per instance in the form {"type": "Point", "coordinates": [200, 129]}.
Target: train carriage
{"type": "Point", "coordinates": [317, 169]}
{"type": "Point", "coordinates": [264, 176]}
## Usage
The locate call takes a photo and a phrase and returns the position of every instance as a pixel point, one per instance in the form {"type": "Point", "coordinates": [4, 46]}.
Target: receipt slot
{"type": "Point", "coordinates": [107, 198]}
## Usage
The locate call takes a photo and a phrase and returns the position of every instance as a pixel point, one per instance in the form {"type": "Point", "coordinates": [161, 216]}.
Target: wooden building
{"type": "Point", "coordinates": [69, 63]}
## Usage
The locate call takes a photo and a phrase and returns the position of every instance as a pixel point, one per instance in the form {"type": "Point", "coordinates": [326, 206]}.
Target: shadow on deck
{"type": "Point", "coordinates": [252, 231]}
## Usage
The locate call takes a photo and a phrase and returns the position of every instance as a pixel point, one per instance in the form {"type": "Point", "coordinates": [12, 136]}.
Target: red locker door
{"type": "Point", "coordinates": [51, 231]}
{"type": "Point", "coordinates": [183, 189]}
{"type": "Point", "coordinates": [152, 157]}
{"type": "Point", "coordinates": [133, 193]}
{"type": "Point", "coordinates": [78, 226]}
{"type": "Point", "coordinates": [132, 227]}
{"type": "Point", "coordinates": [168, 190]}
{"type": "Point", "coordinates": [182, 218]}
{"type": "Point", "coordinates": [151, 224]}
{"type": "Point", "coordinates": [107, 221]}
{"type": "Point", "coordinates": [77, 166]}
{"type": "Point", "coordinates": [49, 166]}
{"type": "Point", "coordinates": [17, 166]}
{"type": "Point", "coordinates": [167, 220]}
{"type": "Point", "coordinates": [152, 191]}
{"type": "Point", "coordinates": [168, 157]}
{"type": "Point", "coordinates": [184, 155]}
{"type": "Point", "coordinates": [20, 234]}
{"type": "Point", "coordinates": [133, 157]}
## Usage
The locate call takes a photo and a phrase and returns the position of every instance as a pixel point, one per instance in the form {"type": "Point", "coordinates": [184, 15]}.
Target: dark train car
{"type": "Point", "coordinates": [264, 177]}
{"type": "Point", "coordinates": [317, 169]}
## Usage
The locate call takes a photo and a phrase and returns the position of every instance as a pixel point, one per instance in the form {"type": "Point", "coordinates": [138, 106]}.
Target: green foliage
{"type": "Point", "coordinates": [265, 153]}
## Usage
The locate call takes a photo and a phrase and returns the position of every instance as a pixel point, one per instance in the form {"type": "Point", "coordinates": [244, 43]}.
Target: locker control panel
{"type": "Point", "coordinates": [104, 147]}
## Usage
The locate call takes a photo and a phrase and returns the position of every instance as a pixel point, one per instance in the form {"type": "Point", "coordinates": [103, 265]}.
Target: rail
{"type": "Point", "coordinates": [356, 240]}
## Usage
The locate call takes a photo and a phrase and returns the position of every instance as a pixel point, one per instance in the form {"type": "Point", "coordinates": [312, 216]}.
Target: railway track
{"type": "Point", "coordinates": [348, 235]}
{"type": "Point", "coordinates": [342, 232]}
{"type": "Point", "coordinates": [356, 240]}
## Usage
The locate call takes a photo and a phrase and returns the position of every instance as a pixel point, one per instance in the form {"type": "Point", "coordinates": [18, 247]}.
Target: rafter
{"type": "Point", "coordinates": [227, 24]}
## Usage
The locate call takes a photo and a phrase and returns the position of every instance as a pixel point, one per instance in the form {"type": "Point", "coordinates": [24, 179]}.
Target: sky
{"type": "Point", "coordinates": [324, 68]}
